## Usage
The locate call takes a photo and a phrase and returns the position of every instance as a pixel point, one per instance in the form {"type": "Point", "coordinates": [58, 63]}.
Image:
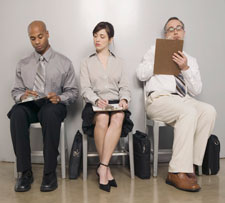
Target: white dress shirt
{"type": "Point", "coordinates": [167, 82]}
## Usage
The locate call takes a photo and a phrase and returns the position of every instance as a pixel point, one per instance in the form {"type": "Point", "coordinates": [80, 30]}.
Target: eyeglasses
{"type": "Point", "coordinates": [172, 29]}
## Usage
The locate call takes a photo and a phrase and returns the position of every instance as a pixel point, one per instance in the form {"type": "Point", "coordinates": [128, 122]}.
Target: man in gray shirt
{"type": "Point", "coordinates": [43, 73]}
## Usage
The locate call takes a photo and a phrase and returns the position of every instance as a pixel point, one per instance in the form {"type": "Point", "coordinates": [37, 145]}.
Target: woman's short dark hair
{"type": "Point", "coordinates": [105, 25]}
{"type": "Point", "coordinates": [173, 18]}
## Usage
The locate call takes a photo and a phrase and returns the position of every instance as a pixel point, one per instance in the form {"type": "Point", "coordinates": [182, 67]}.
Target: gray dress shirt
{"type": "Point", "coordinates": [60, 76]}
{"type": "Point", "coordinates": [98, 82]}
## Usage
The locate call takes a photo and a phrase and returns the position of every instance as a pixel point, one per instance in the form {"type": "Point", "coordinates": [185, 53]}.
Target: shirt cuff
{"type": "Point", "coordinates": [126, 98]}
{"type": "Point", "coordinates": [94, 99]}
{"type": "Point", "coordinates": [63, 99]}
{"type": "Point", "coordinates": [186, 73]}
{"type": "Point", "coordinates": [17, 98]}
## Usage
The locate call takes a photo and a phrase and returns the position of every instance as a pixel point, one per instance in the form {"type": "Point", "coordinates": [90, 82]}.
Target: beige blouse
{"type": "Point", "coordinates": [97, 82]}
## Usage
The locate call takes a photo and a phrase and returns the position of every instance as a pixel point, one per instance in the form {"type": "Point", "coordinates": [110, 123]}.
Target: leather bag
{"type": "Point", "coordinates": [211, 161]}
{"type": "Point", "coordinates": [141, 155]}
{"type": "Point", "coordinates": [75, 156]}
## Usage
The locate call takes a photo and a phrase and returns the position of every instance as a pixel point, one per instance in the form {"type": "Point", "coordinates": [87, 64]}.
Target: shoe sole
{"type": "Point", "coordinates": [48, 189]}
{"type": "Point", "coordinates": [23, 190]}
{"type": "Point", "coordinates": [187, 190]}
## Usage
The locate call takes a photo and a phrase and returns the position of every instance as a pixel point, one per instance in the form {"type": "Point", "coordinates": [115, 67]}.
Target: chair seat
{"type": "Point", "coordinates": [35, 125]}
{"type": "Point", "coordinates": [154, 122]}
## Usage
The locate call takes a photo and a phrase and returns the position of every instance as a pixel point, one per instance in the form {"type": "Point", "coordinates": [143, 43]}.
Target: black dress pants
{"type": "Point", "coordinates": [50, 117]}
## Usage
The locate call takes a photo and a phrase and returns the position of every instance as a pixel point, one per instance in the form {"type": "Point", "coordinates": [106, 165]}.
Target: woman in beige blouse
{"type": "Point", "coordinates": [103, 81]}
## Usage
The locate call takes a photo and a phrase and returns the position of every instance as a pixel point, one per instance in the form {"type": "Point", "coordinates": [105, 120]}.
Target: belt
{"type": "Point", "coordinates": [174, 93]}
{"type": "Point", "coordinates": [150, 93]}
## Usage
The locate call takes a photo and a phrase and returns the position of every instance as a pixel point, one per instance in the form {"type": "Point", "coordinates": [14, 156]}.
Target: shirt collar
{"type": "Point", "coordinates": [46, 55]}
{"type": "Point", "coordinates": [110, 54]}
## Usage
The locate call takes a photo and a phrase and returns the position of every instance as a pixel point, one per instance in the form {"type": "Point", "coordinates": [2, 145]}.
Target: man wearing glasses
{"type": "Point", "coordinates": [170, 100]}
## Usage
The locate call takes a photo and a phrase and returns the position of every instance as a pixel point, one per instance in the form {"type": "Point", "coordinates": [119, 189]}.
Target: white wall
{"type": "Point", "coordinates": [137, 24]}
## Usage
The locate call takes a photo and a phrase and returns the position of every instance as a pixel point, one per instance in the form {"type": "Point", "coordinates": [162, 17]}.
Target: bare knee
{"type": "Point", "coordinates": [117, 119]}
{"type": "Point", "coordinates": [102, 120]}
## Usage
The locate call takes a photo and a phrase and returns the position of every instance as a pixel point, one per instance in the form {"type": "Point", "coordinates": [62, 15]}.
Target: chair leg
{"type": "Point", "coordinates": [200, 170]}
{"type": "Point", "coordinates": [155, 148]}
{"type": "Point", "coordinates": [66, 144]}
{"type": "Point", "coordinates": [84, 156]}
{"type": "Point", "coordinates": [122, 146]}
{"type": "Point", "coordinates": [63, 155]}
{"type": "Point", "coordinates": [151, 144]}
{"type": "Point", "coordinates": [15, 169]}
{"type": "Point", "coordinates": [131, 154]}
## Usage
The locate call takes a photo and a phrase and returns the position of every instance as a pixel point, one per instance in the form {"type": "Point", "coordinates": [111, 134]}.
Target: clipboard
{"type": "Point", "coordinates": [110, 107]}
{"type": "Point", "coordinates": [164, 50]}
{"type": "Point", "coordinates": [33, 99]}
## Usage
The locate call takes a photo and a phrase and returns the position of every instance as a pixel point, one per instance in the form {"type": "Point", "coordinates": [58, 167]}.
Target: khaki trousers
{"type": "Point", "coordinates": [193, 122]}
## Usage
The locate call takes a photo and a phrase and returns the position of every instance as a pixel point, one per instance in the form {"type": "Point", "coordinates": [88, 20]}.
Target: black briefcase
{"type": "Point", "coordinates": [211, 161]}
{"type": "Point", "coordinates": [141, 155]}
{"type": "Point", "coordinates": [75, 156]}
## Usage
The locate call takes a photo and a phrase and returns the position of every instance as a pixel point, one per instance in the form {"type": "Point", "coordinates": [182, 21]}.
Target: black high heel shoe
{"type": "Point", "coordinates": [105, 187]}
{"type": "Point", "coordinates": [113, 183]}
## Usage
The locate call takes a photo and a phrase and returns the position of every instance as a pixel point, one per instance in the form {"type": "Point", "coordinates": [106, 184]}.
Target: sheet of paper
{"type": "Point", "coordinates": [33, 99]}
{"type": "Point", "coordinates": [164, 50]}
{"type": "Point", "coordinates": [110, 107]}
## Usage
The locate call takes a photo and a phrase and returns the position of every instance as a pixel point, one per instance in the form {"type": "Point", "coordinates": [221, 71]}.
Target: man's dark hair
{"type": "Point", "coordinates": [173, 18]}
{"type": "Point", "coordinates": [104, 25]}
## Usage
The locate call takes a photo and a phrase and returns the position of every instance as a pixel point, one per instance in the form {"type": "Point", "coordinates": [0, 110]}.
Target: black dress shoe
{"type": "Point", "coordinates": [49, 182]}
{"type": "Point", "coordinates": [24, 181]}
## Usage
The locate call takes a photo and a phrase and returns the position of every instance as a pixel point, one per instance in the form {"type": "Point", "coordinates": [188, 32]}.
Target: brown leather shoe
{"type": "Point", "coordinates": [182, 181]}
{"type": "Point", "coordinates": [192, 176]}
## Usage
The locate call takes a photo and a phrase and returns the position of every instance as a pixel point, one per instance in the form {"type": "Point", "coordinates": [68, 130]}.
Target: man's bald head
{"type": "Point", "coordinates": [38, 35]}
{"type": "Point", "coordinates": [37, 23]}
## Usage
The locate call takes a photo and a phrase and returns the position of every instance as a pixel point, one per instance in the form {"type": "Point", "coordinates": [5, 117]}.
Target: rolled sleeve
{"type": "Point", "coordinates": [145, 68]}
{"type": "Point", "coordinates": [124, 92]}
{"type": "Point", "coordinates": [192, 77]}
{"type": "Point", "coordinates": [86, 89]}
{"type": "Point", "coordinates": [18, 88]}
{"type": "Point", "coordinates": [70, 89]}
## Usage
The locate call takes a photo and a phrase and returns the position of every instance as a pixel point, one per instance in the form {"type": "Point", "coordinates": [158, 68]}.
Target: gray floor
{"type": "Point", "coordinates": [129, 191]}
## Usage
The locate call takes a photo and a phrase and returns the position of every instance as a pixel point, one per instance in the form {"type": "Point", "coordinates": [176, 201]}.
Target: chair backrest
{"type": "Point", "coordinates": [145, 98]}
{"type": "Point", "coordinates": [145, 93]}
